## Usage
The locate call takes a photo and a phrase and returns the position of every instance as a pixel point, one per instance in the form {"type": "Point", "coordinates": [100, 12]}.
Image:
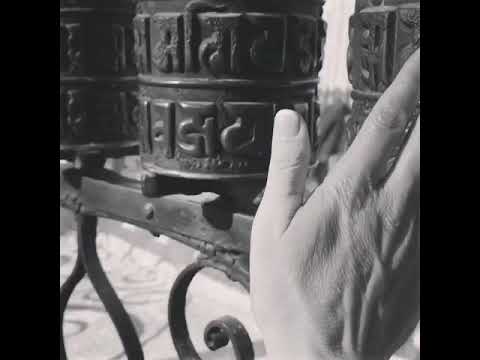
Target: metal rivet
{"type": "Point", "coordinates": [149, 211]}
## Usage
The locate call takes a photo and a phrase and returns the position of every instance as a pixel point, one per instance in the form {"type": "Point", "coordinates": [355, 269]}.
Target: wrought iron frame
{"type": "Point", "coordinates": [90, 191]}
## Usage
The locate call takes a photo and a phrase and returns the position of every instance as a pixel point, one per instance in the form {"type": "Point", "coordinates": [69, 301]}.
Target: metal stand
{"type": "Point", "coordinates": [91, 192]}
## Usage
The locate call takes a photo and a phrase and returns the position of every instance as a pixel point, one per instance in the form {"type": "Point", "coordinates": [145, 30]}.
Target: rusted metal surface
{"type": "Point", "coordinates": [206, 226]}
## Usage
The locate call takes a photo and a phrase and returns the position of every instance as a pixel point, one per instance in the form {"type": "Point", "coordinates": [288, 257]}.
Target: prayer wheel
{"type": "Point", "coordinates": [213, 74]}
{"type": "Point", "coordinates": [383, 35]}
{"type": "Point", "coordinates": [97, 78]}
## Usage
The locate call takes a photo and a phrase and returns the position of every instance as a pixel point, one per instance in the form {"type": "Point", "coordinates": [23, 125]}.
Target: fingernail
{"type": "Point", "coordinates": [287, 124]}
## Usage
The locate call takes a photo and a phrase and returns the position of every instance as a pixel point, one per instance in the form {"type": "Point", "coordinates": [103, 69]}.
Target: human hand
{"type": "Point", "coordinates": [337, 276]}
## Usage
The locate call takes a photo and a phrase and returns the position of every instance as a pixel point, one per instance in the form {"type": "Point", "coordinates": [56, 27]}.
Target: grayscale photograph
{"type": "Point", "coordinates": [240, 180]}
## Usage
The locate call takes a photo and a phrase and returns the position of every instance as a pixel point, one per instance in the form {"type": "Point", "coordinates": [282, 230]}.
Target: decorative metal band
{"type": "Point", "coordinates": [213, 139]}
{"type": "Point", "coordinates": [383, 34]}
{"type": "Point", "coordinates": [98, 118]}
{"type": "Point", "coordinates": [223, 44]}
{"type": "Point", "coordinates": [207, 84]}
{"type": "Point", "coordinates": [97, 77]}
{"type": "Point", "coordinates": [213, 74]}
{"type": "Point", "coordinates": [217, 334]}
{"type": "Point", "coordinates": [96, 42]}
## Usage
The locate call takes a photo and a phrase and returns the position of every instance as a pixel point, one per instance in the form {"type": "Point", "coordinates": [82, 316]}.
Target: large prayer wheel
{"type": "Point", "coordinates": [97, 78]}
{"type": "Point", "coordinates": [212, 75]}
{"type": "Point", "coordinates": [383, 35]}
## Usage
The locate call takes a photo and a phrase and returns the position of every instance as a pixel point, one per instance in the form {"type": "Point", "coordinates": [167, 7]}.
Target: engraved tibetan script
{"type": "Point", "coordinates": [220, 51]}
{"type": "Point", "coordinates": [167, 37]}
{"type": "Point", "coordinates": [218, 43]}
{"type": "Point", "coordinates": [371, 31]}
{"type": "Point", "coordinates": [248, 130]}
{"type": "Point", "coordinates": [196, 133]}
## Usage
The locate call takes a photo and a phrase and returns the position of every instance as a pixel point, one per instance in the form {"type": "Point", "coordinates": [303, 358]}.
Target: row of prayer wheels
{"type": "Point", "coordinates": [193, 86]}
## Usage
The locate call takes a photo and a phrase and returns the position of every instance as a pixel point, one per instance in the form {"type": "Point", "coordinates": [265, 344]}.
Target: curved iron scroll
{"type": "Point", "coordinates": [217, 333]}
{"type": "Point", "coordinates": [89, 263]}
{"type": "Point", "coordinates": [66, 291]}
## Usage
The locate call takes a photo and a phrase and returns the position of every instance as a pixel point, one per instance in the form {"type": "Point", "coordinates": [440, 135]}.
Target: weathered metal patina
{"type": "Point", "coordinates": [383, 34]}
{"type": "Point", "coordinates": [97, 78]}
{"type": "Point", "coordinates": [213, 74]}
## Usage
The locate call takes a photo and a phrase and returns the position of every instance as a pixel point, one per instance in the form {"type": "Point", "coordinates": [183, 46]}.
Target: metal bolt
{"type": "Point", "coordinates": [149, 211]}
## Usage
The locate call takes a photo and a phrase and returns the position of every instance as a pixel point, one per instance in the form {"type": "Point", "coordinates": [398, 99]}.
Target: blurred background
{"type": "Point", "coordinates": [142, 268]}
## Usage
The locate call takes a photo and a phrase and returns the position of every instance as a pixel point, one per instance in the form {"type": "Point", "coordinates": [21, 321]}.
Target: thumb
{"type": "Point", "coordinates": [288, 168]}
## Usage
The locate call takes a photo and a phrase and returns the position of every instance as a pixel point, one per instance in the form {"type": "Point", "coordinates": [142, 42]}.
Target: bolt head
{"type": "Point", "coordinates": [149, 211]}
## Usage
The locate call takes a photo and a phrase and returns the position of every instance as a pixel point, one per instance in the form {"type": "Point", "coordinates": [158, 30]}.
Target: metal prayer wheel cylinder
{"type": "Point", "coordinates": [213, 74]}
{"type": "Point", "coordinates": [97, 78]}
{"type": "Point", "coordinates": [383, 35]}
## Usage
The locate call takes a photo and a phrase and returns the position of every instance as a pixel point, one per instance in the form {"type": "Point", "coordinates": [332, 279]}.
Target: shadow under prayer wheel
{"type": "Point", "coordinates": [213, 74]}
{"type": "Point", "coordinates": [383, 35]}
{"type": "Point", "coordinates": [97, 78]}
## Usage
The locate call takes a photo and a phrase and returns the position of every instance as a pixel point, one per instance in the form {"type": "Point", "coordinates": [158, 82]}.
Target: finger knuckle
{"type": "Point", "coordinates": [387, 118]}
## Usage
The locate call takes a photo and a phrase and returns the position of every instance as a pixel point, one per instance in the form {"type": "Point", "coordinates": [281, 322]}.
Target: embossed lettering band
{"type": "Point", "coordinates": [383, 34]}
{"type": "Point", "coordinates": [212, 75]}
{"type": "Point", "coordinates": [97, 78]}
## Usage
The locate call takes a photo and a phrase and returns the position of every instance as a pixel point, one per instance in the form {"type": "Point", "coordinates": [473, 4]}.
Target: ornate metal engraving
{"type": "Point", "coordinates": [383, 34]}
{"type": "Point", "coordinates": [224, 68]}
{"type": "Point", "coordinates": [97, 78]}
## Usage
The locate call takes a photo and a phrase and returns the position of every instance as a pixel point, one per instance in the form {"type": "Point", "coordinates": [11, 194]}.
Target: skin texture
{"type": "Point", "coordinates": [336, 276]}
